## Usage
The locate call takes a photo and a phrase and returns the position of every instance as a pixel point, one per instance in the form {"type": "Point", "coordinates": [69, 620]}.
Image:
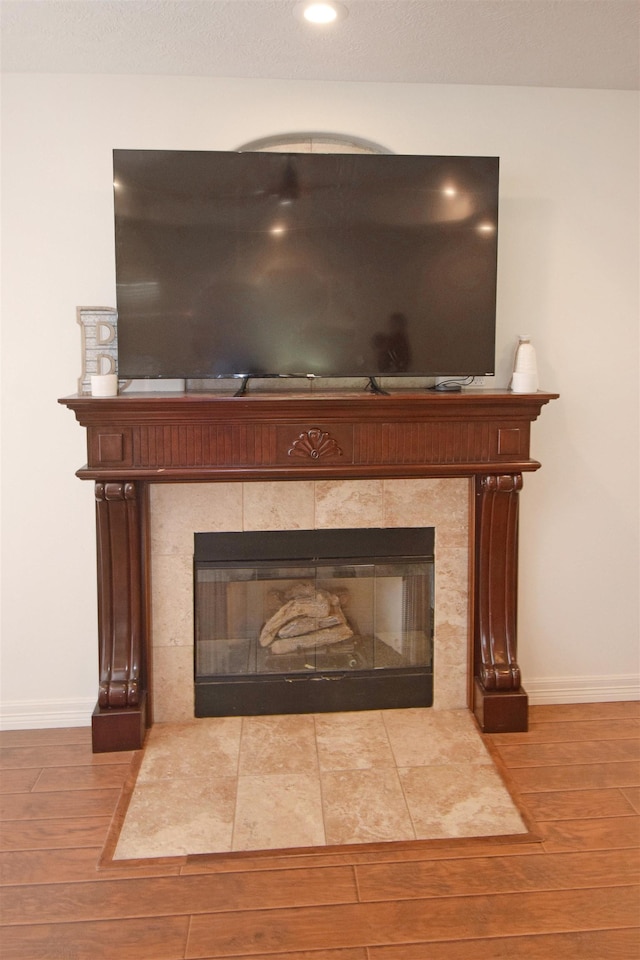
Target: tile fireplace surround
{"type": "Point", "coordinates": [167, 465]}
{"type": "Point", "coordinates": [179, 510]}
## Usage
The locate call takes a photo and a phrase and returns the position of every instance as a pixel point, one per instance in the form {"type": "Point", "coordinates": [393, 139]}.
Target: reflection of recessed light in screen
{"type": "Point", "coordinates": [486, 227]}
{"type": "Point", "coordinates": [449, 191]}
{"type": "Point", "coordinates": [278, 230]}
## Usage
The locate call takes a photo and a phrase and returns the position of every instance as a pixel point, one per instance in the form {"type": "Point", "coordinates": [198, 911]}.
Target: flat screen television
{"type": "Point", "coordinates": [234, 264]}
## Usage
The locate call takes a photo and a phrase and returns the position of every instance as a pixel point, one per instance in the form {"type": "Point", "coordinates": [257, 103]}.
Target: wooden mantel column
{"type": "Point", "coordinates": [121, 707]}
{"type": "Point", "coordinates": [499, 701]}
{"type": "Point", "coordinates": [134, 440]}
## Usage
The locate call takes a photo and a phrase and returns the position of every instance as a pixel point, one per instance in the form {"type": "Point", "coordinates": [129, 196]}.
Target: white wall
{"type": "Point", "coordinates": [568, 275]}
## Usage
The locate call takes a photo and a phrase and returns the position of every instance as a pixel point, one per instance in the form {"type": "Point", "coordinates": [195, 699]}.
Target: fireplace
{"type": "Point", "coordinates": [313, 621]}
{"type": "Point", "coordinates": [141, 445]}
{"type": "Point", "coordinates": [438, 509]}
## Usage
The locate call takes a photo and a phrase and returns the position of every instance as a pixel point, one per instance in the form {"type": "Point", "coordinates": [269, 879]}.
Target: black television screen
{"type": "Point", "coordinates": [281, 264]}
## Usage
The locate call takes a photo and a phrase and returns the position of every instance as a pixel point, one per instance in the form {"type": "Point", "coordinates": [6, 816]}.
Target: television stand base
{"type": "Point", "coordinates": [375, 387]}
{"type": "Point", "coordinates": [242, 389]}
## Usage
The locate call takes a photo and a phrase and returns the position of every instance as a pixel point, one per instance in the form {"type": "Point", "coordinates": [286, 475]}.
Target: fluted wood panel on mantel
{"type": "Point", "coordinates": [137, 439]}
{"type": "Point", "coordinates": [273, 445]}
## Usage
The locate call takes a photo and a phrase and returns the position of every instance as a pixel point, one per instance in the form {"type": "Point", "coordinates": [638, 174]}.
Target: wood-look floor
{"type": "Point", "coordinates": [571, 894]}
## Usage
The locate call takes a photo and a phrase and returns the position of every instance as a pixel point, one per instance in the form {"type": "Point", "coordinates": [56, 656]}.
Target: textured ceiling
{"type": "Point", "coordinates": [556, 43]}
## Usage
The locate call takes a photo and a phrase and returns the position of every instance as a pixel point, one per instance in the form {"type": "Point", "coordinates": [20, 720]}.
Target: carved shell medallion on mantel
{"type": "Point", "coordinates": [314, 444]}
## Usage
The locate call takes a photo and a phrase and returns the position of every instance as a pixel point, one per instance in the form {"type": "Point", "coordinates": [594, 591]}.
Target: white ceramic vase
{"type": "Point", "coordinates": [525, 368]}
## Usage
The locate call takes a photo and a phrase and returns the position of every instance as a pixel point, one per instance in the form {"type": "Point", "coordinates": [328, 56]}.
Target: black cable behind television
{"type": "Point", "coordinates": [279, 264]}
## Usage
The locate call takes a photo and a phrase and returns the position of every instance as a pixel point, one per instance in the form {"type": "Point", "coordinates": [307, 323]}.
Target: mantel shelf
{"type": "Point", "coordinates": [205, 437]}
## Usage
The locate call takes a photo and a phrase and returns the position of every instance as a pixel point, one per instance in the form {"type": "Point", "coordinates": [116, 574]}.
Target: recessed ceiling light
{"type": "Point", "coordinates": [320, 11]}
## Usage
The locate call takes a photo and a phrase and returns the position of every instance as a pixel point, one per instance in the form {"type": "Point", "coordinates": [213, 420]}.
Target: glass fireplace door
{"type": "Point", "coordinates": [264, 627]}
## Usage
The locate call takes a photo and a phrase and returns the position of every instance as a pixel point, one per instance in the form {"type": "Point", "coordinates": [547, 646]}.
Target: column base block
{"type": "Point", "coordinates": [501, 711]}
{"type": "Point", "coordinates": [115, 729]}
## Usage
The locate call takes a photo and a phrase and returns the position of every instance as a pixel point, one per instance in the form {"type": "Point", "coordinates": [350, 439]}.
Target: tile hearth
{"type": "Point", "coordinates": [230, 784]}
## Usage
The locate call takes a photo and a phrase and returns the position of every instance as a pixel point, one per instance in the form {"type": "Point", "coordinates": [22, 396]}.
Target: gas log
{"type": "Point", "coordinates": [306, 617]}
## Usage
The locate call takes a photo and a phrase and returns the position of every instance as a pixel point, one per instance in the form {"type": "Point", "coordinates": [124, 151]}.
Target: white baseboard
{"type": "Point", "coordinates": [39, 714]}
{"type": "Point", "coordinates": [582, 689]}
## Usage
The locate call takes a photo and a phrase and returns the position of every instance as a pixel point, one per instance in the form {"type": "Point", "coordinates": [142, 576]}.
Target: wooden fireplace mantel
{"type": "Point", "coordinates": [137, 439]}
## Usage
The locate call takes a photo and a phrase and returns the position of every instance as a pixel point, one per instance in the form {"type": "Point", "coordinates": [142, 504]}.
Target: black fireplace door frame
{"type": "Point", "coordinates": [320, 691]}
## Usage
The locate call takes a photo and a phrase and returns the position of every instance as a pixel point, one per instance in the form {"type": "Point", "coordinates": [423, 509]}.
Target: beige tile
{"type": "Point", "coordinates": [202, 748]}
{"type": "Point", "coordinates": [451, 627]}
{"type": "Point", "coordinates": [459, 800]}
{"type": "Point", "coordinates": [173, 689]}
{"type": "Point", "coordinates": [364, 806]}
{"type": "Point", "coordinates": [171, 601]}
{"type": "Point", "coordinates": [426, 737]}
{"type": "Point", "coordinates": [450, 673]}
{"type": "Point", "coordinates": [429, 503]}
{"type": "Point", "coordinates": [352, 741]}
{"type": "Point", "coordinates": [278, 811]}
{"type": "Point", "coordinates": [278, 505]}
{"type": "Point", "coordinates": [348, 503]}
{"type": "Point", "coordinates": [177, 817]}
{"type": "Point", "coordinates": [278, 744]}
{"type": "Point", "coordinates": [178, 510]}
{"type": "Point", "coordinates": [451, 586]}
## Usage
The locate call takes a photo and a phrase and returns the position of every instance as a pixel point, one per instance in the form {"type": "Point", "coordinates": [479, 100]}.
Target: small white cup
{"type": "Point", "coordinates": [104, 385]}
